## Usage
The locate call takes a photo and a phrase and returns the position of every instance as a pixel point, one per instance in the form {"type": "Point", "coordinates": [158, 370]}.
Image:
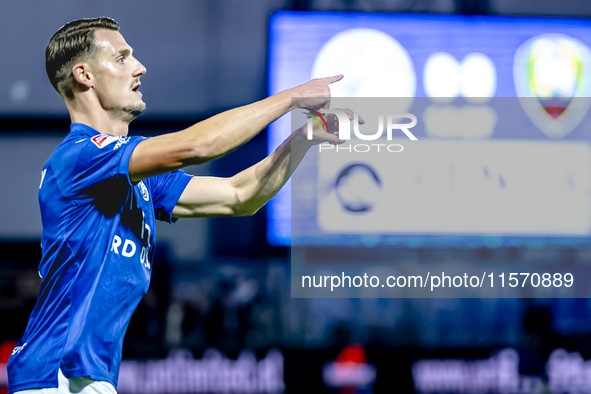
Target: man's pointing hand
{"type": "Point", "coordinates": [314, 94]}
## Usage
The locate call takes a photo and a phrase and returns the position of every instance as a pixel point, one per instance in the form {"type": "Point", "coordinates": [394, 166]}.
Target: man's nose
{"type": "Point", "coordinates": [139, 69]}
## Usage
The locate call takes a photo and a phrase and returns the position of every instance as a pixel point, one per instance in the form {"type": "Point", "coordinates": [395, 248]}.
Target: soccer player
{"type": "Point", "coordinates": [101, 192]}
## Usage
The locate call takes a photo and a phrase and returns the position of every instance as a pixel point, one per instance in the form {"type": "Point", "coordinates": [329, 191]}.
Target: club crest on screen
{"type": "Point", "coordinates": [551, 73]}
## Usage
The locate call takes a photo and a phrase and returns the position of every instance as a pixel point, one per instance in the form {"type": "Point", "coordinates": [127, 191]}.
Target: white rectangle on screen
{"type": "Point", "coordinates": [500, 187]}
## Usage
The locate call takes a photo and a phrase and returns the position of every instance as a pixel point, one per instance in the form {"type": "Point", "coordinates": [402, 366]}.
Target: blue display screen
{"type": "Point", "coordinates": [534, 73]}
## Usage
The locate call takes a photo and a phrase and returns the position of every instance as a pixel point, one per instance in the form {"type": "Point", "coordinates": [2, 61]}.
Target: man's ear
{"type": "Point", "coordinates": [82, 75]}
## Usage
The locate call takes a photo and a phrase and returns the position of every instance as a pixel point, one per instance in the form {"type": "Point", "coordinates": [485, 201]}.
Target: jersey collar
{"type": "Point", "coordinates": [81, 128]}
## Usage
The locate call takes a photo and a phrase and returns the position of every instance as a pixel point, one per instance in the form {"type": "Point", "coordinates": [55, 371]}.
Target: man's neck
{"type": "Point", "coordinates": [102, 124]}
{"type": "Point", "coordinates": [91, 114]}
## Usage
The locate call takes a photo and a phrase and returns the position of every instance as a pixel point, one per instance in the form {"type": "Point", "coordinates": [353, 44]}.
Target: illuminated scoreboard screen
{"type": "Point", "coordinates": [517, 164]}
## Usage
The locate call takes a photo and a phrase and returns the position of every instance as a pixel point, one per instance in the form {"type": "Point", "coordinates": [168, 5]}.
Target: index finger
{"type": "Point", "coordinates": [334, 79]}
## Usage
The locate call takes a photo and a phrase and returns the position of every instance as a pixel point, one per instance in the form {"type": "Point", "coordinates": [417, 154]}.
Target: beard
{"type": "Point", "coordinates": [134, 109]}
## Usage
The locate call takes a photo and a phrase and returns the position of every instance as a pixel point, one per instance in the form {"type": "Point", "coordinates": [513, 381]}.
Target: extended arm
{"type": "Point", "coordinates": [246, 192]}
{"type": "Point", "coordinates": [222, 133]}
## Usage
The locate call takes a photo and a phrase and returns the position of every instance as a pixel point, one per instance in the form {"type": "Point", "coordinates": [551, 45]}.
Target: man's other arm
{"type": "Point", "coordinates": [246, 192]}
{"type": "Point", "coordinates": [220, 134]}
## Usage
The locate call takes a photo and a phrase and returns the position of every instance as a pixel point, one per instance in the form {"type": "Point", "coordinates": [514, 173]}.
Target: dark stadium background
{"type": "Point", "coordinates": [217, 283]}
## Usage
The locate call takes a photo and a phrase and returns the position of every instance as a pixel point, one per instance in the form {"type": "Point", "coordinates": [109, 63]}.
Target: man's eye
{"type": "Point", "coordinates": [120, 60]}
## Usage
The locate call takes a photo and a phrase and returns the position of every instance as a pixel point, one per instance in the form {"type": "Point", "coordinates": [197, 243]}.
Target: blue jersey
{"type": "Point", "coordinates": [98, 244]}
